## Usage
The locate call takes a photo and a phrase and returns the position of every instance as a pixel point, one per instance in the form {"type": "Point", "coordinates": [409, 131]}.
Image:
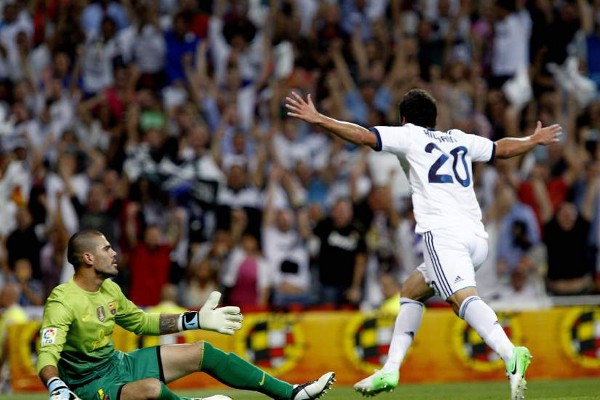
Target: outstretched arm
{"type": "Point", "coordinates": [509, 147]}
{"type": "Point", "coordinates": [305, 110]}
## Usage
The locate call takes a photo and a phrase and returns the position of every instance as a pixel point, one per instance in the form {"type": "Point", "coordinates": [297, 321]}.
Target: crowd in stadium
{"type": "Point", "coordinates": [161, 124]}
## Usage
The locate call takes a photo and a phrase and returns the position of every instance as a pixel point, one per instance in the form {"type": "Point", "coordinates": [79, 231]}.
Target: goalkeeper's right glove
{"type": "Point", "coordinates": [59, 390]}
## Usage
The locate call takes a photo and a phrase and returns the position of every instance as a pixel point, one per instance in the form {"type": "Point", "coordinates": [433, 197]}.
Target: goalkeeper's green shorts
{"type": "Point", "coordinates": [123, 368]}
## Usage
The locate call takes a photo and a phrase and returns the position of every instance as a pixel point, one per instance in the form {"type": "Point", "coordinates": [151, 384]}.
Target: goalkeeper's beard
{"type": "Point", "coordinates": [109, 272]}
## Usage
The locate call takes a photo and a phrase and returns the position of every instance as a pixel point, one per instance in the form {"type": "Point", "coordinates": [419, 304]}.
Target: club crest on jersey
{"type": "Point", "coordinates": [112, 307]}
{"type": "Point", "coordinates": [48, 336]}
{"type": "Point", "coordinates": [101, 313]}
{"type": "Point", "coordinates": [102, 395]}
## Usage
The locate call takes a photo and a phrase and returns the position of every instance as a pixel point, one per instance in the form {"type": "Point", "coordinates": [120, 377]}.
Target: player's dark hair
{"type": "Point", "coordinates": [80, 243]}
{"type": "Point", "coordinates": [418, 107]}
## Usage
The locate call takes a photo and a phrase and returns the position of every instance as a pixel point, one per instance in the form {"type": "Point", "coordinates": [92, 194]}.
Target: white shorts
{"type": "Point", "coordinates": [451, 259]}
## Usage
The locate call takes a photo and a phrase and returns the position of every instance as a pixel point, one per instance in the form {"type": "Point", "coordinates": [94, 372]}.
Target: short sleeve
{"type": "Point", "coordinates": [481, 149]}
{"type": "Point", "coordinates": [393, 139]}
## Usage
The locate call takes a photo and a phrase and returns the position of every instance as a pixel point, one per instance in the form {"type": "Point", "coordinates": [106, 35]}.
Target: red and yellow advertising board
{"type": "Point", "coordinates": [565, 343]}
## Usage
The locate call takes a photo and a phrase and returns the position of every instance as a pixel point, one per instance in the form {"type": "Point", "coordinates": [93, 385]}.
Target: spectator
{"type": "Point", "coordinates": [25, 243]}
{"type": "Point", "coordinates": [15, 181]}
{"type": "Point", "coordinates": [239, 191]}
{"type": "Point", "coordinates": [285, 233]}
{"type": "Point", "coordinates": [518, 287]}
{"type": "Point", "coordinates": [15, 19]}
{"type": "Point", "coordinates": [246, 275]}
{"type": "Point", "coordinates": [200, 280]}
{"type": "Point", "coordinates": [52, 257]}
{"type": "Point", "coordinates": [341, 256]}
{"type": "Point", "coordinates": [12, 313]}
{"type": "Point", "coordinates": [97, 213]}
{"type": "Point", "coordinates": [100, 53]}
{"type": "Point", "coordinates": [32, 291]}
{"type": "Point", "coordinates": [519, 234]}
{"type": "Point", "coordinates": [168, 301]}
{"type": "Point", "coordinates": [69, 179]}
{"type": "Point", "coordinates": [375, 215]}
{"type": "Point", "coordinates": [180, 41]}
{"type": "Point", "coordinates": [566, 234]}
{"type": "Point", "coordinates": [512, 30]}
{"type": "Point", "coordinates": [547, 45]}
{"type": "Point", "coordinates": [233, 38]}
{"type": "Point", "coordinates": [558, 181]}
{"type": "Point", "coordinates": [93, 13]}
{"type": "Point", "coordinates": [361, 15]}
{"type": "Point", "coordinates": [592, 46]}
{"type": "Point", "coordinates": [524, 290]}
{"type": "Point", "coordinates": [149, 48]}
{"type": "Point", "coordinates": [69, 34]}
{"type": "Point", "coordinates": [216, 251]}
{"type": "Point", "coordinates": [488, 276]}
{"type": "Point", "coordinates": [53, 260]}
{"type": "Point", "coordinates": [313, 187]}
{"type": "Point", "coordinates": [250, 156]}
{"type": "Point", "coordinates": [149, 263]}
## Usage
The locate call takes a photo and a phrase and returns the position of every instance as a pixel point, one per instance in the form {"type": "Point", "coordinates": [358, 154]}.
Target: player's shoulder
{"type": "Point", "coordinates": [61, 290]}
{"type": "Point", "coordinates": [467, 135]}
{"type": "Point", "coordinates": [409, 132]}
{"type": "Point", "coordinates": [456, 132]}
{"type": "Point", "coordinates": [412, 128]}
{"type": "Point", "coordinates": [460, 136]}
{"type": "Point", "coordinates": [110, 286]}
{"type": "Point", "coordinates": [62, 294]}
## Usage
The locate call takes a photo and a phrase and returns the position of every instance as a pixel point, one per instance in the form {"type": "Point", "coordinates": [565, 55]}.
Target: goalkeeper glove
{"type": "Point", "coordinates": [59, 390]}
{"type": "Point", "coordinates": [225, 320]}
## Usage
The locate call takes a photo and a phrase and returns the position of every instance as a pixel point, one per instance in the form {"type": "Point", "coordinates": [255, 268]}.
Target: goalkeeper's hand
{"type": "Point", "coordinates": [225, 320]}
{"type": "Point", "coordinates": [60, 391]}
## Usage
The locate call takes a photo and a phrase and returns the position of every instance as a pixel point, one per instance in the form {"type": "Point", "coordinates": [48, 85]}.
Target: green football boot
{"type": "Point", "coordinates": [515, 370]}
{"type": "Point", "coordinates": [380, 381]}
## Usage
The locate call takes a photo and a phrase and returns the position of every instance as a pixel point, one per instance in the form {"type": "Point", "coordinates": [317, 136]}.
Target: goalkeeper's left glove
{"type": "Point", "coordinates": [59, 390]}
{"type": "Point", "coordinates": [224, 320]}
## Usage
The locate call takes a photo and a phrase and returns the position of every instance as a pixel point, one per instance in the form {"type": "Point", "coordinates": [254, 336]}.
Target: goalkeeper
{"type": "Point", "coordinates": [77, 359]}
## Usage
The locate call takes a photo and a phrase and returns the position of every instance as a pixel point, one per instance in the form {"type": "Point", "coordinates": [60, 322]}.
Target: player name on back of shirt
{"type": "Point", "coordinates": [441, 139]}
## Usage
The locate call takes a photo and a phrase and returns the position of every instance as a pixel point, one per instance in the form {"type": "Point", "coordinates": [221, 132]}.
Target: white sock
{"type": "Point", "coordinates": [484, 320]}
{"type": "Point", "coordinates": [406, 326]}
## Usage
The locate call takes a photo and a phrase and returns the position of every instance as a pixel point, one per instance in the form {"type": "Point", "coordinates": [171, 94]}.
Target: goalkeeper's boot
{"type": "Point", "coordinates": [515, 370]}
{"type": "Point", "coordinates": [215, 397]}
{"type": "Point", "coordinates": [380, 381]}
{"type": "Point", "coordinates": [314, 389]}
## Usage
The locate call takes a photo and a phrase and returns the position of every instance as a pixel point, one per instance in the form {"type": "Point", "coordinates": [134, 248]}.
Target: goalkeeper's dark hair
{"type": "Point", "coordinates": [79, 243]}
{"type": "Point", "coordinates": [418, 107]}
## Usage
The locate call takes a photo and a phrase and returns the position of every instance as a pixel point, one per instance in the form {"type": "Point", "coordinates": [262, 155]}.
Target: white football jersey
{"type": "Point", "coordinates": [438, 165]}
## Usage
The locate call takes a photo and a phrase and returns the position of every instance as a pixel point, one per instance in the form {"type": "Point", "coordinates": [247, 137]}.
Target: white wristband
{"type": "Point", "coordinates": [55, 383]}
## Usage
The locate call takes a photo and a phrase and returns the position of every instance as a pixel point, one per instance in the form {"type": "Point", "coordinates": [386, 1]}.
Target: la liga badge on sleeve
{"type": "Point", "coordinates": [48, 336]}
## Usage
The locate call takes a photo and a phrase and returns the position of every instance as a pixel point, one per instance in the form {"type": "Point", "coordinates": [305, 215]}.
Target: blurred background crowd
{"type": "Point", "coordinates": [161, 123]}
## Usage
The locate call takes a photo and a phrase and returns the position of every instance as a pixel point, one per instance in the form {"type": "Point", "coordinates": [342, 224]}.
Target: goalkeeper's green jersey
{"type": "Point", "coordinates": [77, 328]}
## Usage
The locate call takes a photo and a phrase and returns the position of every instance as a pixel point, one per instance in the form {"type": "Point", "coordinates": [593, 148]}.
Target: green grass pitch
{"type": "Point", "coordinates": [581, 389]}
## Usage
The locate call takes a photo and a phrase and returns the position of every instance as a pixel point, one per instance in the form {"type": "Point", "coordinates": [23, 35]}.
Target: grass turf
{"type": "Point", "coordinates": [580, 389]}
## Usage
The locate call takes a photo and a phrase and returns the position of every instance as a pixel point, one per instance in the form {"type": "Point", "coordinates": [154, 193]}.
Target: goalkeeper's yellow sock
{"type": "Point", "coordinates": [166, 394]}
{"type": "Point", "coordinates": [238, 373]}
